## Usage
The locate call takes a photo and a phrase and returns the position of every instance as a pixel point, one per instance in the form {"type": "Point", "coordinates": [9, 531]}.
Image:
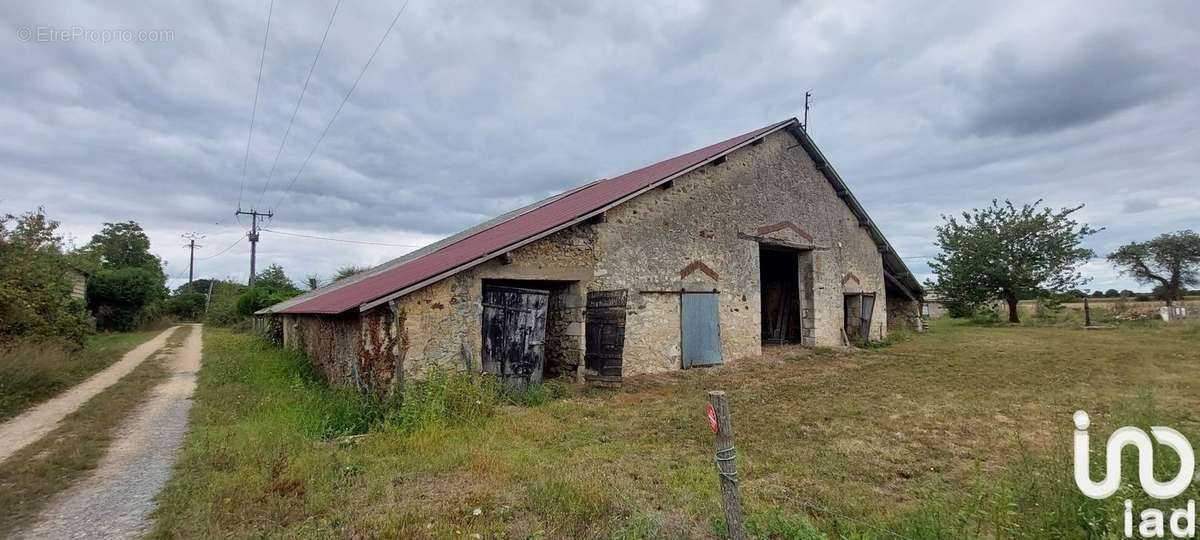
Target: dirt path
{"type": "Point", "coordinates": [115, 501]}
{"type": "Point", "coordinates": [30, 426]}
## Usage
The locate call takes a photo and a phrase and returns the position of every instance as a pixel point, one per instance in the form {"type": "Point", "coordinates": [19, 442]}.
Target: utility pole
{"type": "Point", "coordinates": [191, 238]}
{"type": "Point", "coordinates": [253, 234]}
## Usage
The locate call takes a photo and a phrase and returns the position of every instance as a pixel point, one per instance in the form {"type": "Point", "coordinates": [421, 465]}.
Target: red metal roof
{"type": "Point", "coordinates": [494, 241]}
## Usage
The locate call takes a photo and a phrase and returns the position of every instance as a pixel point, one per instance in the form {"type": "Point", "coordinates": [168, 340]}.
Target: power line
{"type": "Point", "coordinates": [300, 100]}
{"type": "Point", "coordinates": [343, 104]}
{"type": "Point", "coordinates": [254, 110]}
{"type": "Point", "coordinates": [223, 251]}
{"type": "Point", "coordinates": [338, 239]}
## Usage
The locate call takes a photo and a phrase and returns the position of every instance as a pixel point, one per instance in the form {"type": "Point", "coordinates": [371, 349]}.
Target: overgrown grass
{"type": "Point", "coordinates": [33, 475]}
{"type": "Point", "coordinates": [961, 432]}
{"type": "Point", "coordinates": [32, 371]}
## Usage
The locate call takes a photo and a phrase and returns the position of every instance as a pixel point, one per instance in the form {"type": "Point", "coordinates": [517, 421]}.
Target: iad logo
{"type": "Point", "coordinates": [1183, 520]}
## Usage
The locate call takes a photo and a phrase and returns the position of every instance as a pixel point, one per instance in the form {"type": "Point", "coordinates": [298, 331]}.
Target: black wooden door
{"type": "Point", "coordinates": [605, 334]}
{"type": "Point", "coordinates": [514, 333]}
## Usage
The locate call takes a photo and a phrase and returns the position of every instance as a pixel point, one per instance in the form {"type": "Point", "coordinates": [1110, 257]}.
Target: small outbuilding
{"type": "Point", "coordinates": [694, 261]}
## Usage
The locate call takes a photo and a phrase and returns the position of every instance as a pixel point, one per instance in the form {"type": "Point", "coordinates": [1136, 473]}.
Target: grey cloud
{"type": "Point", "coordinates": [1101, 76]}
{"type": "Point", "coordinates": [1134, 206]}
{"type": "Point", "coordinates": [474, 108]}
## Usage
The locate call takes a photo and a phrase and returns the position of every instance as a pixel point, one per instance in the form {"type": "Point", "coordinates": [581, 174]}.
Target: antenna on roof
{"type": "Point", "coordinates": [807, 104]}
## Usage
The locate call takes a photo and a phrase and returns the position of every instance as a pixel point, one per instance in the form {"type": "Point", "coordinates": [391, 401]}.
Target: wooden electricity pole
{"type": "Point", "coordinates": [726, 455]}
{"type": "Point", "coordinates": [253, 234]}
{"type": "Point", "coordinates": [191, 245]}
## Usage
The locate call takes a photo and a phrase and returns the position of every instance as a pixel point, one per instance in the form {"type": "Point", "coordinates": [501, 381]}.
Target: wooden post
{"type": "Point", "coordinates": [726, 464]}
{"type": "Point", "coordinates": [1087, 312]}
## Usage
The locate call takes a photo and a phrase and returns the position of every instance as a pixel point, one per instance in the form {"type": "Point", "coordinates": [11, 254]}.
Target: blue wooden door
{"type": "Point", "coordinates": [701, 329]}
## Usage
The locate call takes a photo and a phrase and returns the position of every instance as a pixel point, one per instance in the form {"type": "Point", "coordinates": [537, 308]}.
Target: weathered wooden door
{"type": "Point", "coordinates": [700, 329]}
{"type": "Point", "coordinates": [868, 309]}
{"type": "Point", "coordinates": [605, 334]}
{"type": "Point", "coordinates": [514, 333]}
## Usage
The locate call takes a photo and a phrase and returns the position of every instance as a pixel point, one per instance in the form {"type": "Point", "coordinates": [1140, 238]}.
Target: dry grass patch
{"type": "Point", "coordinates": [32, 371]}
{"type": "Point", "coordinates": [31, 477]}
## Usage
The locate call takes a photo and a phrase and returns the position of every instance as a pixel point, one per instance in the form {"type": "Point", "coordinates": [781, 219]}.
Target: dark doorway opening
{"type": "Point", "coordinates": [782, 306]}
{"type": "Point", "coordinates": [525, 330]}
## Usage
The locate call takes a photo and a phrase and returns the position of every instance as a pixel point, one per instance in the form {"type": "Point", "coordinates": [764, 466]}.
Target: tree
{"type": "Point", "coordinates": [1171, 261]}
{"type": "Point", "coordinates": [36, 280]}
{"type": "Point", "coordinates": [313, 282]}
{"type": "Point", "coordinates": [121, 298]}
{"type": "Point", "coordinates": [1004, 252]}
{"type": "Point", "coordinates": [271, 286]}
{"type": "Point", "coordinates": [188, 306]}
{"type": "Point", "coordinates": [1112, 293]}
{"type": "Point", "coordinates": [273, 280]}
{"type": "Point", "coordinates": [120, 245]}
{"type": "Point", "coordinates": [348, 271]}
{"type": "Point", "coordinates": [128, 285]}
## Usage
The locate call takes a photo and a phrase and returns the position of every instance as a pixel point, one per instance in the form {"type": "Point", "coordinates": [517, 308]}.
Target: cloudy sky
{"type": "Point", "coordinates": [116, 110]}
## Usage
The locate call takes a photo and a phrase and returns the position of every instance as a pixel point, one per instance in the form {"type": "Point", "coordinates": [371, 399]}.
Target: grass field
{"type": "Point", "coordinates": [961, 432]}
{"type": "Point", "coordinates": [30, 478]}
{"type": "Point", "coordinates": [34, 372]}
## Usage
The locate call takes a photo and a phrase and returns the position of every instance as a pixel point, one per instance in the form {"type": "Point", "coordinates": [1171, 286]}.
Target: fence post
{"type": "Point", "coordinates": [726, 464]}
{"type": "Point", "coordinates": [1087, 312]}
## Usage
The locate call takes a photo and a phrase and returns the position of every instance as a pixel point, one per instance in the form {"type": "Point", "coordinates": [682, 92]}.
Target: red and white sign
{"type": "Point", "coordinates": [712, 418]}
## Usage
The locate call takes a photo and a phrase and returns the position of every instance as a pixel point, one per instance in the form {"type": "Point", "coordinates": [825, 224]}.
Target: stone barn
{"type": "Point", "coordinates": [694, 261]}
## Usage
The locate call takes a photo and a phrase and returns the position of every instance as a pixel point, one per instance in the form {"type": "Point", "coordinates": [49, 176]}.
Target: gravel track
{"type": "Point", "coordinates": [116, 500]}
{"type": "Point", "coordinates": [35, 423]}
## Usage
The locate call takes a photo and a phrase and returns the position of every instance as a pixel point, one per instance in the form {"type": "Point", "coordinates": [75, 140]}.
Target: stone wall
{"type": "Point", "coordinates": [902, 313]}
{"type": "Point", "coordinates": [712, 215]}
{"type": "Point", "coordinates": [701, 233]}
{"type": "Point", "coordinates": [331, 343]}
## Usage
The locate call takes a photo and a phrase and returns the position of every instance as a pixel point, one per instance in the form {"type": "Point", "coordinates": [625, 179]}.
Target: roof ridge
{"type": "Point", "coordinates": [506, 232]}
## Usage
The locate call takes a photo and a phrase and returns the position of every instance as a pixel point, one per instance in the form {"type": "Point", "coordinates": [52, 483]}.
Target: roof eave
{"type": "Point", "coordinates": [887, 252]}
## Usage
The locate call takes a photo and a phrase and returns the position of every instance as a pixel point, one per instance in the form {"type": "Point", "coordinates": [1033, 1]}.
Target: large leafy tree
{"type": "Point", "coordinates": [128, 284]}
{"type": "Point", "coordinates": [36, 280]}
{"type": "Point", "coordinates": [1170, 261]}
{"type": "Point", "coordinates": [1005, 252]}
{"type": "Point", "coordinates": [274, 280]}
{"type": "Point", "coordinates": [121, 245]}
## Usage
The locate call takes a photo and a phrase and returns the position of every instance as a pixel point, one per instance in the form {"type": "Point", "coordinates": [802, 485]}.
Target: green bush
{"type": "Point", "coordinates": [984, 315]}
{"type": "Point", "coordinates": [36, 280]}
{"type": "Point", "coordinates": [222, 306]}
{"type": "Point", "coordinates": [187, 306]}
{"type": "Point", "coordinates": [252, 300]}
{"type": "Point", "coordinates": [122, 298]}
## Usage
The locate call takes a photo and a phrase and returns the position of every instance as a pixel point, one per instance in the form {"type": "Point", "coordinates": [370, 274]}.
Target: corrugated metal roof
{"type": "Point", "coordinates": [344, 282]}
{"type": "Point", "coordinates": [519, 227]}
{"type": "Point", "coordinates": [492, 241]}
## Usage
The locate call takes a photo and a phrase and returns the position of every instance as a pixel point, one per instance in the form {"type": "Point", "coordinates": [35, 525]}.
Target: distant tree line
{"type": "Point", "coordinates": [1005, 253]}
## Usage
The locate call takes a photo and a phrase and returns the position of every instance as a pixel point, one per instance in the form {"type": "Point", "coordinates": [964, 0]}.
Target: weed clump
{"type": "Point", "coordinates": [444, 398]}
